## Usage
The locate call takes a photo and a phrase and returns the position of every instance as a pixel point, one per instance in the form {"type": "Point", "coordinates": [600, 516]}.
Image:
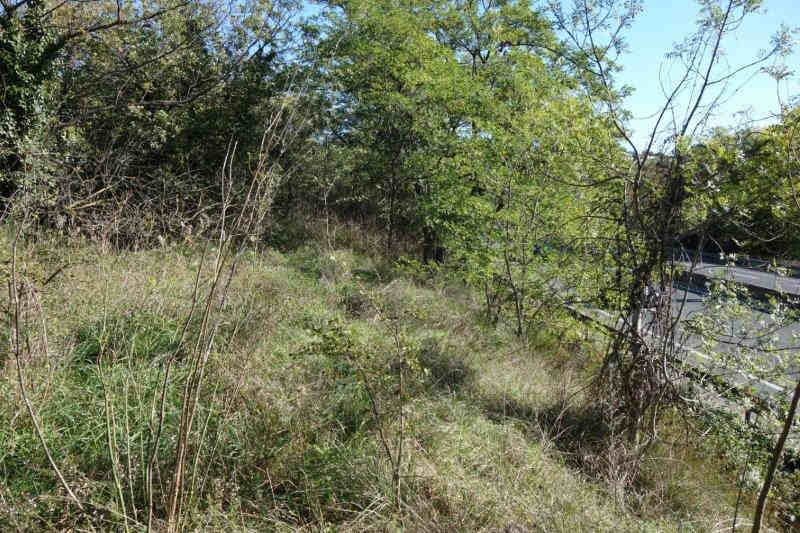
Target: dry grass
{"type": "Point", "coordinates": [327, 363]}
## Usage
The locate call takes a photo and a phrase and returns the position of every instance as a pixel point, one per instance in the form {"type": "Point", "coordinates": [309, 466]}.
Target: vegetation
{"type": "Point", "coordinates": [331, 369]}
{"type": "Point", "coordinates": [275, 265]}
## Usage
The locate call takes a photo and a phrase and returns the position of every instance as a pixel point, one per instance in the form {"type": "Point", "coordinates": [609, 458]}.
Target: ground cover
{"type": "Point", "coordinates": [342, 392]}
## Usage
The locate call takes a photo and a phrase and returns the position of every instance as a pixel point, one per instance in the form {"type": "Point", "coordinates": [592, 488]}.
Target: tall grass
{"type": "Point", "coordinates": [317, 389]}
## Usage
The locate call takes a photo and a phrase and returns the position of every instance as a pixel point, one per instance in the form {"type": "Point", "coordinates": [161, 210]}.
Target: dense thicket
{"type": "Point", "coordinates": [448, 122]}
{"type": "Point", "coordinates": [122, 114]}
{"type": "Point", "coordinates": [747, 183]}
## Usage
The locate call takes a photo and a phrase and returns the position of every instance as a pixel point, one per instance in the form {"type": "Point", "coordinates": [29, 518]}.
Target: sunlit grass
{"type": "Point", "coordinates": [327, 362]}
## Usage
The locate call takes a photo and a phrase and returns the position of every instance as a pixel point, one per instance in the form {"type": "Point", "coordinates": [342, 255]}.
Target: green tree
{"type": "Point", "coordinates": [150, 97]}
{"type": "Point", "coordinates": [396, 97]}
{"type": "Point", "coordinates": [36, 35]}
{"type": "Point", "coordinates": [465, 122]}
{"type": "Point", "coordinates": [532, 137]}
{"type": "Point", "coordinates": [26, 70]}
{"type": "Point", "coordinates": [744, 184]}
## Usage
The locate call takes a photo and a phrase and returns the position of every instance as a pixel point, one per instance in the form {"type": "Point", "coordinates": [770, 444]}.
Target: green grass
{"type": "Point", "coordinates": [323, 360]}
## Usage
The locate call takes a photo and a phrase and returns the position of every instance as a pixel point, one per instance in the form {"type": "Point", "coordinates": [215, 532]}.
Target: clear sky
{"type": "Point", "coordinates": [665, 22]}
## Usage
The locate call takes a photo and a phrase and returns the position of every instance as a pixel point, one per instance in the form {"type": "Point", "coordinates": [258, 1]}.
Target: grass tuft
{"type": "Point", "coordinates": [137, 336]}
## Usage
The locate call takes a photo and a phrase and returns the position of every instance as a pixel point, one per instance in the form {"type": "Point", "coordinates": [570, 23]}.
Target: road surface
{"type": "Point", "coordinates": [754, 334]}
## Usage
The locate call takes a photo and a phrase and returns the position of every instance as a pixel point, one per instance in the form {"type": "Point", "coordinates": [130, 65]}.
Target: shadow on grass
{"type": "Point", "coordinates": [445, 371]}
{"type": "Point", "coordinates": [576, 432]}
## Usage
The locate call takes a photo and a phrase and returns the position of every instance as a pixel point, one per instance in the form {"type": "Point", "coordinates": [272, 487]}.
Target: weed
{"type": "Point", "coordinates": [355, 301]}
{"type": "Point", "coordinates": [446, 371]}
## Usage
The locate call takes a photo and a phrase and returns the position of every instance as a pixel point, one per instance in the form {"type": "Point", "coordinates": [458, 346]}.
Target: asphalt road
{"type": "Point", "coordinates": [754, 334]}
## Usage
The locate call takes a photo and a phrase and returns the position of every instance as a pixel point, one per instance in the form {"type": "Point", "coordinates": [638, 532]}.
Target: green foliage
{"type": "Point", "coordinates": [27, 65]}
{"type": "Point", "coordinates": [457, 127]}
{"type": "Point", "coordinates": [156, 109]}
{"type": "Point", "coordinates": [152, 96]}
{"type": "Point", "coordinates": [393, 85]}
{"type": "Point", "coordinates": [339, 364]}
{"type": "Point", "coordinates": [745, 451]}
{"type": "Point", "coordinates": [743, 187]}
{"type": "Point", "coordinates": [27, 69]}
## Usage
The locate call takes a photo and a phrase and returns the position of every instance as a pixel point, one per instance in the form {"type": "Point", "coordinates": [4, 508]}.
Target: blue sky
{"type": "Point", "coordinates": [664, 22]}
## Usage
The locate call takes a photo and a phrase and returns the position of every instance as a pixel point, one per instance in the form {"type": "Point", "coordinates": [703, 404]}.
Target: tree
{"type": "Point", "coordinates": [142, 105]}
{"type": "Point", "coordinates": [396, 97]}
{"type": "Point", "coordinates": [35, 36]}
{"type": "Point", "coordinates": [652, 190]}
{"type": "Point", "coordinates": [25, 69]}
{"type": "Point", "coordinates": [463, 120]}
{"type": "Point", "coordinates": [749, 204]}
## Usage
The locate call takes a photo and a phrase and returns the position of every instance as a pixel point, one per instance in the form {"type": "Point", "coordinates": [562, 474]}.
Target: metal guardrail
{"type": "Point", "coordinates": [762, 285]}
{"type": "Point", "coordinates": [744, 383]}
{"type": "Point", "coordinates": [740, 260]}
